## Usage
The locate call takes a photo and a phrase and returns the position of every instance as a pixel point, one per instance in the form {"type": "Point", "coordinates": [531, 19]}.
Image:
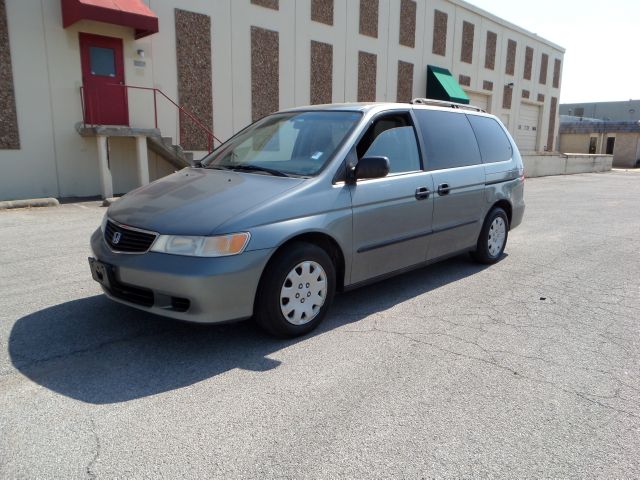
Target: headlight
{"type": "Point", "coordinates": [103, 225]}
{"type": "Point", "coordinates": [220, 246]}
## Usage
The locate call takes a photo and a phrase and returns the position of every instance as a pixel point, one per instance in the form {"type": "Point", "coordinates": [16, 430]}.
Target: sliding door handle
{"type": "Point", "coordinates": [443, 189]}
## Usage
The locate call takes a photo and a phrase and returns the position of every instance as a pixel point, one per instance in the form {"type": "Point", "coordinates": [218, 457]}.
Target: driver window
{"type": "Point", "coordinates": [392, 137]}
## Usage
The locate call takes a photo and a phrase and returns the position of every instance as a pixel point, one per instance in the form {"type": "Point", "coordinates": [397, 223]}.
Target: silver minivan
{"type": "Point", "coordinates": [310, 201]}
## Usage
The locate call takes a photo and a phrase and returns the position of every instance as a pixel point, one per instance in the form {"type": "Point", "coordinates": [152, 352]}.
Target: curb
{"type": "Point", "coordinates": [29, 203]}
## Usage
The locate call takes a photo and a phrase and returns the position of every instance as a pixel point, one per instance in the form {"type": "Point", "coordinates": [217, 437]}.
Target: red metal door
{"type": "Point", "coordinates": [105, 97]}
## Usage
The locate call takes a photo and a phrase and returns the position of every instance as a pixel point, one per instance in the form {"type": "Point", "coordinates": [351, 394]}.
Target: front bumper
{"type": "Point", "coordinates": [203, 290]}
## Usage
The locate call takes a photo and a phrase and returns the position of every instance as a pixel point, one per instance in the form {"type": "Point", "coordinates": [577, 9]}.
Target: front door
{"type": "Point", "coordinates": [105, 97]}
{"type": "Point", "coordinates": [391, 215]}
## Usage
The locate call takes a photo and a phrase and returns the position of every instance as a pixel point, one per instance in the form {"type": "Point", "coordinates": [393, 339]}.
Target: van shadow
{"type": "Point", "coordinates": [101, 352]}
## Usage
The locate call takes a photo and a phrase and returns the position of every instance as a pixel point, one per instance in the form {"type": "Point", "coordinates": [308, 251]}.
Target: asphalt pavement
{"type": "Point", "coordinates": [527, 368]}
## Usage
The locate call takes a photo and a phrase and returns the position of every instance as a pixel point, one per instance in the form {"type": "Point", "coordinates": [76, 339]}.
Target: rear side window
{"type": "Point", "coordinates": [449, 141]}
{"type": "Point", "coordinates": [493, 142]}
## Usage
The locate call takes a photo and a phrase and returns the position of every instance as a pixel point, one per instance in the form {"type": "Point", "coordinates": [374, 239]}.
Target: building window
{"type": "Point", "coordinates": [593, 144]}
{"type": "Point", "coordinates": [102, 61]}
{"type": "Point", "coordinates": [611, 141]}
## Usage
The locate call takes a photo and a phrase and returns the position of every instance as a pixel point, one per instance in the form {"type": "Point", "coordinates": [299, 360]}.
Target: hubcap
{"type": "Point", "coordinates": [497, 235]}
{"type": "Point", "coordinates": [303, 293]}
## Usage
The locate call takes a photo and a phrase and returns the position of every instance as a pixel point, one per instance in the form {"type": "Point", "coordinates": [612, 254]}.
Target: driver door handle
{"type": "Point", "coordinates": [422, 193]}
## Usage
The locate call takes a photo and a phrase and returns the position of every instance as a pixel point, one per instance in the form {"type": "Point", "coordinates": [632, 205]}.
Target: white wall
{"type": "Point", "coordinates": [55, 161]}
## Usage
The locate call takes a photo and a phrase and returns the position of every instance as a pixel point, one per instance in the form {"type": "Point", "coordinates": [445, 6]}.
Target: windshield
{"type": "Point", "coordinates": [295, 143]}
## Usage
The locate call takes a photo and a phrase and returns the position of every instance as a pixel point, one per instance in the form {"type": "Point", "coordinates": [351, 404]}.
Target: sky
{"type": "Point", "coordinates": [601, 38]}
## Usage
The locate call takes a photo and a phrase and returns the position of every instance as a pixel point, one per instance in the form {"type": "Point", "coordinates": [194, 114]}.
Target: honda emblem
{"type": "Point", "coordinates": [116, 238]}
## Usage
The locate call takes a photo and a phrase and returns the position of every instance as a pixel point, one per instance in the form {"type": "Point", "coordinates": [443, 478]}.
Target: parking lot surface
{"type": "Point", "coordinates": [528, 368]}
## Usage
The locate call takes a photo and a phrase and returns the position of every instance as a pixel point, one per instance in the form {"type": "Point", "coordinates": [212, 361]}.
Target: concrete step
{"type": "Point", "coordinates": [174, 154]}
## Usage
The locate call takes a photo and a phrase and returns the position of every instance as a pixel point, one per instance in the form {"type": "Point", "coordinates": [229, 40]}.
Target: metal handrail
{"type": "Point", "coordinates": [210, 135]}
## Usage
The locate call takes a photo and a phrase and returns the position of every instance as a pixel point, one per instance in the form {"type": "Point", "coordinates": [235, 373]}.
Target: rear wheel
{"type": "Point", "coordinates": [493, 237]}
{"type": "Point", "coordinates": [295, 291]}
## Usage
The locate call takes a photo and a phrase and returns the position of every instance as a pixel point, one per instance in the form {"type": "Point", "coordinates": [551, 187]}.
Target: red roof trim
{"type": "Point", "coordinates": [128, 13]}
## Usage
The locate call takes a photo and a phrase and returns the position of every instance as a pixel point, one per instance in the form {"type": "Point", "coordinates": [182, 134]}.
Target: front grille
{"type": "Point", "coordinates": [128, 240]}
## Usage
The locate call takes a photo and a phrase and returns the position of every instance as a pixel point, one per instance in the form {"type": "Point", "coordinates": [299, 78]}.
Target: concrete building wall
{"type": "Point", "coordinates": [576, 143]}
{"type": "Point", "coordinates": [626, 151]}
{"type": "Point", "coordinates": [255, 47]}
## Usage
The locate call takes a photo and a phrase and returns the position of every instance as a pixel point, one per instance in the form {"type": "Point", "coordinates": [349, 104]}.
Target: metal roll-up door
{"type": "Point", "coordinates": [478, 100]}
{"type": "Point", "coordinates": [526, 135]}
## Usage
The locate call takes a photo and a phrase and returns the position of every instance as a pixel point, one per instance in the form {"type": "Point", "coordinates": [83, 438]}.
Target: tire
{"type": "Point", "coordinates": [493, 237]}
{"type": "Point", "coordinates": [285, 309]}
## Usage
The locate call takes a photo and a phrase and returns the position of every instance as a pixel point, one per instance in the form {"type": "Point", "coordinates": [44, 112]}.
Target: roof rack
{"type": "Point", "coordinates": [443, 103]}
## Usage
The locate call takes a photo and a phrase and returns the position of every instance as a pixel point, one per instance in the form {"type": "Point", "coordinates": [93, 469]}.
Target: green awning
{"type": "Point", "coordinates": [442, 86]}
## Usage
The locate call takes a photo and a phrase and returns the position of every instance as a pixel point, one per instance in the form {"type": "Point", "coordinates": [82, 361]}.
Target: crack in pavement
{"type": "Point", "coordinates": [91, 465]}
{"type": "Point", "coordinates": [26, 362]}
{"type": "Point", "coordinates": [494, 363]}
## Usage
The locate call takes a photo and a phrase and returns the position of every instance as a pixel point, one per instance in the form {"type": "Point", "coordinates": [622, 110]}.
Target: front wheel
{"type": "Point", "coordinates": [295, 291]}
{"type": "Point", "coordinates": [493, 237]}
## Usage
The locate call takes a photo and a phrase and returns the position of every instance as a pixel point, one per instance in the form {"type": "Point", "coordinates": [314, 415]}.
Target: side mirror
{"type": "Point", "coordinates": [372, 167]}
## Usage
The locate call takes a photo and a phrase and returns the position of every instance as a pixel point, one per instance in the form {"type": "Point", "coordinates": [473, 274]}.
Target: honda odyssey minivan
{"type": "Point", "coordinates": [309, 201]}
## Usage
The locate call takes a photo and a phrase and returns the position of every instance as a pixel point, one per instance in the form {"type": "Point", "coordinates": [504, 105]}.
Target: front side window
{"type": "Point", "coordinates": [296, 143]}
{"type": "Point", "coordinates": [392, 137]}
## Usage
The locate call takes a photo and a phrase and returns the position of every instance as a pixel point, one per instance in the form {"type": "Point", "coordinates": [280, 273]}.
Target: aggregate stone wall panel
{"type": "Point", "coordinates": [468, 30]}
{"type": "Point", "coordinates": [487, 85]}
{"type": "Point", "coordinates": [510, 67]}
{"type": "Point", "coordinates": [367, 67]}
{"type": "Point", "coordinates": [507, 95]}
{"type": "Point", "coordinates": [557, 67]}
{"type": "Point", "coordinates": [265, 76]}
{"type": "Point", "coordinates": [193, 52]}
{"type": "Point", "coordinates": [405, 82]}
{"type": "Point", "coordinates": [272, 4]}
{"type": "Point", "coordinates": [544, 65]}
{"type": "Point", "coordinates": [369, 18]}
{"type": "Point", "coordinates": [464, 80]}
{"type": "Point", "coordinates": [553, 113]}
{"type": "Point", "coordinates": [490, 51]}
{"type": "Point", "coordinates": [322, 11]}
{"type": "Point", "coordinates": [321, 89]}
{"type": "Point", "coordinates": [439, 33]}
{"type": "Point", "coordinates": [528, 63]}
{"type": "Point", "coordinates": [408, 23]}
{"type": "Point", "coordinates": [9, 134]}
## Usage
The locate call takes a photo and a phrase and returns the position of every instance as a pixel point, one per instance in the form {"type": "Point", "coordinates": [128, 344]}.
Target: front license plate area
{"type": "Point", "coordinates": [101, 272]}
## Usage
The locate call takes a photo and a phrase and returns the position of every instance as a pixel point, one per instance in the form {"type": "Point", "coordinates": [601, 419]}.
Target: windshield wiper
{"type": "Point", "coordinates": [256, 168]}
